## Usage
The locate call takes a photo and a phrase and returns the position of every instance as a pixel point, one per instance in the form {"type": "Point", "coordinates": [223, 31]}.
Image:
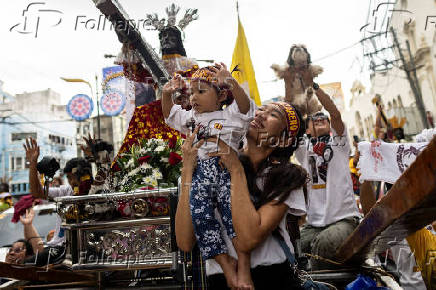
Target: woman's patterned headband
{"type": "Point", "coordinates": [291, 117]}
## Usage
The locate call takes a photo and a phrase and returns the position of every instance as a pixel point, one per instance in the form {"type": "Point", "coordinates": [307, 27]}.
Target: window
{"type": "Point", "coordinates": [19, 187]}
{"type": "Point", "coordinates": [22, 136]}
{"type": "Point", "coordinates": [18, 163]}
{"type": "Point", "coordinates": [59, 140]}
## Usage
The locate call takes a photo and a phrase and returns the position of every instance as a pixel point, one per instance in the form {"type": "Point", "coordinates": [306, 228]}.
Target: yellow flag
{"type": "Point", "coordinates": [241, 58]}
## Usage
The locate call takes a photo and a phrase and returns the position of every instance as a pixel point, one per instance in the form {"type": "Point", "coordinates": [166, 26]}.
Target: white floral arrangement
{"type": "Point", "coordinates": [150, 164]}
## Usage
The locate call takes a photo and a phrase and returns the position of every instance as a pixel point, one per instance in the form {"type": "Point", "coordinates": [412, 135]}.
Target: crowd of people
{"type": "Point", "coordinates": [265, 187]}
{"type": "Point", "coordinates": [239, 187]}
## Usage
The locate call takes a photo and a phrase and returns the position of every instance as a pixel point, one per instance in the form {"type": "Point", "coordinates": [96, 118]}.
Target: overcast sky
{"type": "Point", "coordinates": [30, 63]}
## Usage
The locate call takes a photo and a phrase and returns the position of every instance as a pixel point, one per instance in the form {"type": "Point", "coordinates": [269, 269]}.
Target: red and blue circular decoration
{"type": "Point", "coordinates": [112, 102]}
{"type": "Point", "coordinates": [80, 107]}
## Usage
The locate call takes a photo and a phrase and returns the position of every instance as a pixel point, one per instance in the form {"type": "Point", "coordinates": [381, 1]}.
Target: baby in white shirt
{"type": "Point", "coordinates": [220, 108]}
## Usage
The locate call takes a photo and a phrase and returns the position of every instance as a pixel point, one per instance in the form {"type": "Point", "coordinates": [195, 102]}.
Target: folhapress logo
{"type": "Point", "coordinates": [36, 16]}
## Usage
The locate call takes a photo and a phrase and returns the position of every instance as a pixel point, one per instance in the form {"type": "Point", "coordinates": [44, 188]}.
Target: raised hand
{"type": "Point", "coordinates": [27, 219]}
{"type": "Point", "coordinates": [32, 150]}
{"type": "Point", "coordinates": [88, 148]}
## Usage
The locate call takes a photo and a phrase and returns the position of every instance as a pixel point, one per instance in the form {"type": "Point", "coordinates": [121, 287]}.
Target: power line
{"type": "Point", "coordinates": [336, 52]}
{"type": "Point", "coordinates": [348, 47]}
{"type": "Point", "coordinates": [36, 124]}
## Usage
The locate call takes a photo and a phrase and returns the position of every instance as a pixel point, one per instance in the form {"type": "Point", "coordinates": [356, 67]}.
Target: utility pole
{"type": "Point", "coordinates": [376, 64]}
{"type": "Point", "coordinates": [98, 107]}
{"type": "Point", "coordinates": [414, 85]}
{"type": "Point", "coordinates": [421, 105]}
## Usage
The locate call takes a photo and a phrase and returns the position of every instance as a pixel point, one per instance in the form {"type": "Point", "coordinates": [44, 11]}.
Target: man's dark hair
{"type": "Point", "coordinates": [4, 187]}
{"type": "Point", "coordinates": [81, 164]}
{"type": "Point", "coordinates": [102, 145]}
{"type": "Point", "coordinates": [29, 249]}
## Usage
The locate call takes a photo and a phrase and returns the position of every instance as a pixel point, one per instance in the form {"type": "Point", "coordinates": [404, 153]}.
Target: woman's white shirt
{"type": "Point", "coordinates": [269, 252]}
{"type": "Point", "coordinates": [59, 234]}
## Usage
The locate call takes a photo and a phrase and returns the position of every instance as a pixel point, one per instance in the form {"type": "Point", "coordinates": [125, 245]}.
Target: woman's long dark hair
{"type": "Point", "coordinates": [281, 177]}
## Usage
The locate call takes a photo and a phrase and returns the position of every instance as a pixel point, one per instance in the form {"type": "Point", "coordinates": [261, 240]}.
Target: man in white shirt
{"type": "Point", "coordinates": [332, 210]}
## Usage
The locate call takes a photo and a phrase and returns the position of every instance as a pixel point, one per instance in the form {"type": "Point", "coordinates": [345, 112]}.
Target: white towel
{"type": "Point", "coordinates": [426, 135]}
{"type": "Point", "coordinates": [380, 161]}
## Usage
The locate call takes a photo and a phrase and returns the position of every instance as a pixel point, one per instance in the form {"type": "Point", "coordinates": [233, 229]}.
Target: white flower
{"type": "Point", "coordinates": [125, 180]}
{"type": "Point", "coordinates": [199, 210]}
{"type": "Point", "coordinates": [130, 163]}
{"type": "Point", "coordinates": [211, 236]}
{"type": "Point", "coordinates": [145, 166]}
{"type": "Point", "coordinates": [160, 148]}
{"type": "Point", "coordinates": [157, 174]}
{"type": "Point", "coordinates": [134, 171]}
{"type": "Point", "coordinates": [164, 159]}
{"type": "Point", "coordinates": [147, 180]}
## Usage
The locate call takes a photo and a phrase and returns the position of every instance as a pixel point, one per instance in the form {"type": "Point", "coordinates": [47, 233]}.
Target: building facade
{"type": "Point", "coordinates": [398, 99]}
{"type": "Point", "coordinates": [37, 115]}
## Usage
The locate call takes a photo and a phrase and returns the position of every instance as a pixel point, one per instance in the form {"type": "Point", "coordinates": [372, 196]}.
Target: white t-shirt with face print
{"type": "Point", "coordinates": [330, 191]}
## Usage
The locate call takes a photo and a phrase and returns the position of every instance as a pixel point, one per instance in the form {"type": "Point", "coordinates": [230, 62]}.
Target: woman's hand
{"type": "Point", "coordinates": [190, 151]}
{"type": "Point", "coordinates": [32, 150]}
{"type": "Point", "coordinates": [28, 218]}
{"type": "Point", "coordinates": [228, 157]}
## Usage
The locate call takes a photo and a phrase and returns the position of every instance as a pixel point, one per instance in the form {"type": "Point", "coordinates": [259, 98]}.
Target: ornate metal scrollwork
{"type": "Point", "coordinates": [138, 243]}
{"type": "Point", "coordinates": [140, 208]}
